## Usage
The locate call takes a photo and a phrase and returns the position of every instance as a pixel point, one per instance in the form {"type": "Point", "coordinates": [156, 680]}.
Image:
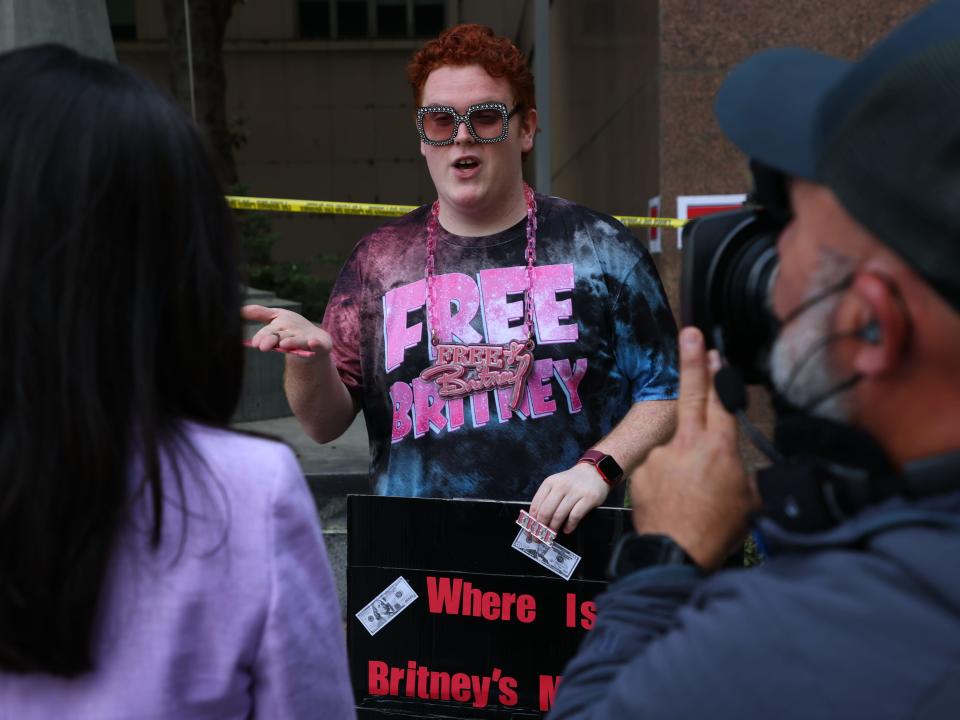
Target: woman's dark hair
{"type": "Point", "coordinates": [119, 309]}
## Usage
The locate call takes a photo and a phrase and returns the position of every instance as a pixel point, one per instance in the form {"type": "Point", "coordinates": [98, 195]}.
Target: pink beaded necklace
{"type": "Point", "coordinates": [461, 370]}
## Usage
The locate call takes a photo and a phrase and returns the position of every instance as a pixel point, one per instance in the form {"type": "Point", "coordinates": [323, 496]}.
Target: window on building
{"type": "Point", "coordinates": [315, 18]}
{"type": "Point", "coordinates": [352, 19]}
{"type": "Point", "coordinates": [123, 19]}
{"type": "Point", "coordinates": [392, 18]}
{"type": "Point", "coordinates": [429, 17]}
{"type": "Point", "coordinates": [364, 19]}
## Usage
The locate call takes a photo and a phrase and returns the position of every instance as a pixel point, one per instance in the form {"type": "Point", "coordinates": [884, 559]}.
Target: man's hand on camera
{"type": "Point", "coordinates": [563, 499]}
{"type": "Point", "coordinates": [287, 330]}
{"type": "Point", "coordinates": [694, 489]}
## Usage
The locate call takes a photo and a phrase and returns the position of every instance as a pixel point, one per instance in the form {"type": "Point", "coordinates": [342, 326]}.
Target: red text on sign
{"type": "Point", "coordinates": [548, 690]}
{"type": "Point", "coordinates": [584, 615]}
{"type": "Point", "coordinates": [421, 682]}
{"type": "Point", "coordinates": [453, 596]}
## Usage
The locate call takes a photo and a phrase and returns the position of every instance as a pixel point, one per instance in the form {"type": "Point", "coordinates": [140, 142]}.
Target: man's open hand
{"type": "Point", "coordinates": [287, 330]}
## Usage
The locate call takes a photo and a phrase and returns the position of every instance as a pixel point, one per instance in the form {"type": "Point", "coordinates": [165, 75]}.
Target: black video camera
{"type": "Point", "coordinates": [729, 264]}
{"type": "Point", "coordinates": [824, 471]}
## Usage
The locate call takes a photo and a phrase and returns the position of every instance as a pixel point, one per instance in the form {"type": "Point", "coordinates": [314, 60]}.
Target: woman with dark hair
{"type": "Point", "coordinates": [152, 562]}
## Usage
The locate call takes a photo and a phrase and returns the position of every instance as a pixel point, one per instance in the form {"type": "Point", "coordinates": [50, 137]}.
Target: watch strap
{"type": "Point", "coordinates": [606, 466]}
{"type": "Point", "coordinates": [635, 552]}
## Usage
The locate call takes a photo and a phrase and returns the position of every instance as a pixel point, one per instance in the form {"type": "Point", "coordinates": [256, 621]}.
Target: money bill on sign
{"type": "Point", "coordinates": [555, 557]}
{"type": "Point", "coordinates": [386, 606]}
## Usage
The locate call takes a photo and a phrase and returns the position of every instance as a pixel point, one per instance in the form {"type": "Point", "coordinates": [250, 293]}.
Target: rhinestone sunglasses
{"type": "Point", "coordinates": [487, 123]}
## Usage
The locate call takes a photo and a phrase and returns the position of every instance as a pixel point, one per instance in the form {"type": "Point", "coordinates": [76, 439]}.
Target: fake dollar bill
{"type": "Point", "coordinates": [386, 606]}
{"type": "Point", "coordinates": [555, 557]}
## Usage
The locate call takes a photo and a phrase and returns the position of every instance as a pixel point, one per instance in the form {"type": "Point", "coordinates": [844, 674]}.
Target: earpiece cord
{"type": "Point", "coordinates": [840, 387]}
{"type": "Point", "coordinates": [845, 282]}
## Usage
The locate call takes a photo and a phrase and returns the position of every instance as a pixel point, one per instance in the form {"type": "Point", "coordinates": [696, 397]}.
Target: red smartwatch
{"type": "Point", "coordinates": [608, 468]}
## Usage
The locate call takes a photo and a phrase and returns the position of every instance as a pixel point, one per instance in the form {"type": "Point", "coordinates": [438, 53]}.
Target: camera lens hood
{"type": "Point", "coordinates": [729, 262]}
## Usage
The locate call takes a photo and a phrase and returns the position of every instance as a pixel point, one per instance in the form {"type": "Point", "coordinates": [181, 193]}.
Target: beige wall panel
{"type": "Point", "coordinates": [395, 134]}
{"type": "Point", "coordinates": [352, 78]}
{"type": "Point", "coordinates": [393, 183]}
{"type": "Point", "coordinates": [268, 134]}
{"type": "Point", "coordinates": [256, 80]}
{"type": "Point", "coordinates": [309, 79]}
{"type": "Point", "coordinates": [353, 133]}
{"type": "Point", "coordinates": [311, 135]}
{"type": "Point", "coordinates": [389, 85]}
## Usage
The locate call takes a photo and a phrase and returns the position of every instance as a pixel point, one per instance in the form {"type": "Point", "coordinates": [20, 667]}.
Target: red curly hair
{"type": "Point", "coordinates": [474, 45]}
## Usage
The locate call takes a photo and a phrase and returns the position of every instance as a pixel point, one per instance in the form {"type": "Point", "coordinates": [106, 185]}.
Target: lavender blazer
{"type": "Point", "coordinates": [241, 621]}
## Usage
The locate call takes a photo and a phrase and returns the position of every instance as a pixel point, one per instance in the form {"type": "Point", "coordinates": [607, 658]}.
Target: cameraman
{"type": "Point", "coordinates": [858, 616]}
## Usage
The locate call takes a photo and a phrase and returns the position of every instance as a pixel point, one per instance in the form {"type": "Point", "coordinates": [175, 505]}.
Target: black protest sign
{"type": "Point", "coordinates": [464, 625]}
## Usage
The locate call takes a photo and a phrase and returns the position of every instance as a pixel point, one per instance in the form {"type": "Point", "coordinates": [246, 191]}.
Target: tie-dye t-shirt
{"type": "Point", "coordinates": [605, 338]}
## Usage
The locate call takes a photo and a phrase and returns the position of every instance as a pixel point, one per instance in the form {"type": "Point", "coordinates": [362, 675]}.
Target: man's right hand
{"type": "Point", "coordinates": [695, 488]}
{"type": "Point", "coordinates": [287, 330]}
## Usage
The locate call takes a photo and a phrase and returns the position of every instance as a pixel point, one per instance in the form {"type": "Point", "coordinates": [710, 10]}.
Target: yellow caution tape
{"type": "Point", "coordinates": [320, 207]}
{"type": "Point", "coordinates": [324, 207]}
{"type": "Point", "coordinates": [638, 221]}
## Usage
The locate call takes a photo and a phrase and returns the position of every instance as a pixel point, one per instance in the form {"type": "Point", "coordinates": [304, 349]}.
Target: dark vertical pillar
{"type": "Point", "coordinates": [80, 24]}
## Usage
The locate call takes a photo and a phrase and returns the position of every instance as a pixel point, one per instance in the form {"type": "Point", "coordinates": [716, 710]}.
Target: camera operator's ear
{"type": "Point", "coordinates": [886, 329]}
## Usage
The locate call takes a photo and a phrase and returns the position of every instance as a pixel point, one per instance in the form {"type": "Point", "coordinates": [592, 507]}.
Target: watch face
{"type": "Point", "coordinates": [610, 469]}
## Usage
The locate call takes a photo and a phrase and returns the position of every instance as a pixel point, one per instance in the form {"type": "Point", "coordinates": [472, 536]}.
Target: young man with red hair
{"type": "Point", "coordinates": [497, 336]}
